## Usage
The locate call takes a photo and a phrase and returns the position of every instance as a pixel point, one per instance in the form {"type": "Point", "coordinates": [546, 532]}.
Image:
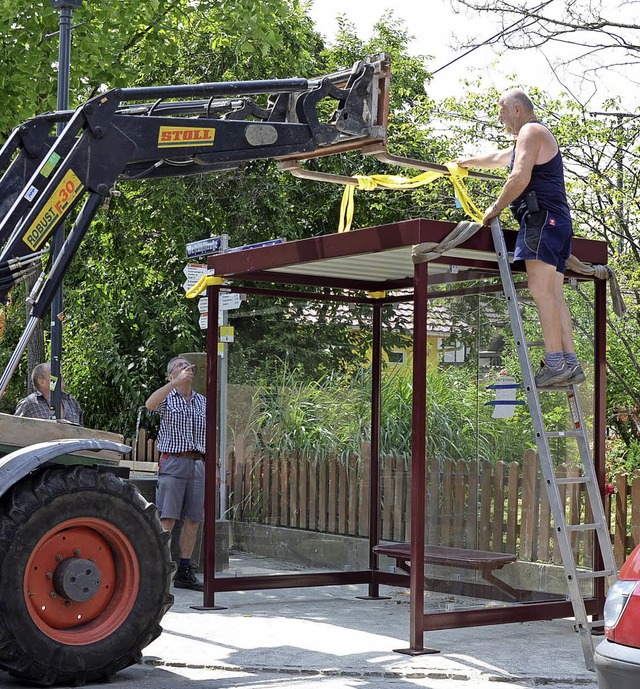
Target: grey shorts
{"type": "Point", "coordinates": [180, 491]}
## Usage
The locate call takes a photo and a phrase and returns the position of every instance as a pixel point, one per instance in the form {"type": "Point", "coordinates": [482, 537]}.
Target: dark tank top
{"type": "Point", "coordinates": [547, 180]}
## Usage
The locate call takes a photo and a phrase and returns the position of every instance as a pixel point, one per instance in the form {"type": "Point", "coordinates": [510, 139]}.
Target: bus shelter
{"type": "Point", "coordinates": [374, 267]}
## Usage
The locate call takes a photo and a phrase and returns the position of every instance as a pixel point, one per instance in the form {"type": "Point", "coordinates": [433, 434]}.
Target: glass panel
{"type": "Point", "coordinates": [488, 519]}
{"type": "Point", "coordinates": [299, 437]}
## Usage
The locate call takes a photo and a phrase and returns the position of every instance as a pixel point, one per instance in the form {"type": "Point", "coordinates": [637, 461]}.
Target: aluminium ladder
{"type": "Point", "coordinates": [563, 530]}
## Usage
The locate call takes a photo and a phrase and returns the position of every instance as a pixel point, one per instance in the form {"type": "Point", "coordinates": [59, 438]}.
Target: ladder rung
{"type": "Point", "coordinates": [596, 624]}
{"type": "Point", "coordinates": [581, 527]}
{"type": "Point", "coordinates": [556, 388]}
{"type": "Point", "coordinates": [563, 434]}
{"type": "Point", "coordinates": [573, 480]}
{"type": "Point", "coordinates": [535, 343]}
{"type": "Point", "coordinates": [596, 574]}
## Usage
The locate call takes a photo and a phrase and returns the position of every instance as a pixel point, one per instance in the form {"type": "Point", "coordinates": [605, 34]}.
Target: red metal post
{"type": "Point", "coordinates": [600, 410]}
{"type": "Point", "coordinates": [376, 406]}
{"type": "Point", "coordinates": [418, 454]}
{"type": "Point", "coordinates": [211, 455]}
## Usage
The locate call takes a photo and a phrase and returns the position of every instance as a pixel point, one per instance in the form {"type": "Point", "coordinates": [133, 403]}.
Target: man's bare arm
{"type": "Point", "coordinates": [488, 160]}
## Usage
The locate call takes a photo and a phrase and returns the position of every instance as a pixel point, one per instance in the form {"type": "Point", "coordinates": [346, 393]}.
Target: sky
{"type": "Point", "coordinates": [437, 29]}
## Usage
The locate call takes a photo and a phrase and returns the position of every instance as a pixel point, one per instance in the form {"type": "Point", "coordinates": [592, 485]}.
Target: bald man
{"type": "Point", "coordinates": [535, 193]}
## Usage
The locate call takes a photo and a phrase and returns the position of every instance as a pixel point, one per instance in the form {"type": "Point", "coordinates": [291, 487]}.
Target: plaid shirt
{"type": "Point", "coordinates": [37, 407]}
{"type": "Point", "coordinates": [182, 425]}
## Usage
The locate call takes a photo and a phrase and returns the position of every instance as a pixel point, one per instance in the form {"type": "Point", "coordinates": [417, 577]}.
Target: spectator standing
{"type": "Point", "coordinates": [181, 442]}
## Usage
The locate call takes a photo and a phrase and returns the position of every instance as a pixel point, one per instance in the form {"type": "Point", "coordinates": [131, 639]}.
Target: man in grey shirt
{"type": "Point", "coordinates": [37, 405]}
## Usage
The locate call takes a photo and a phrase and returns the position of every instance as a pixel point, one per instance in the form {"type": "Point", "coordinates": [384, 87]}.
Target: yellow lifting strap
{"type": "Point", "coordinates": [202, 285]}
{"type": "Point", "coordinates": [456, 175]}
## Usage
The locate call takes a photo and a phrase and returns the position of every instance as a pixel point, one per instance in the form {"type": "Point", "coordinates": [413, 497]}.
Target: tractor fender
{"type": "Point", "coordinates": [16, 465]}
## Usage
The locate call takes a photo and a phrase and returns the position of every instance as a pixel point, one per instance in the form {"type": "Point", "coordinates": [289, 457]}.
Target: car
{"type": "Point", "coordinates": [617, 657]}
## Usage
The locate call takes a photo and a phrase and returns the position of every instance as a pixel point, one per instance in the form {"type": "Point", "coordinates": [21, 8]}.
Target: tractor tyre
{"type": "Point", "coordinates": [86, 572]}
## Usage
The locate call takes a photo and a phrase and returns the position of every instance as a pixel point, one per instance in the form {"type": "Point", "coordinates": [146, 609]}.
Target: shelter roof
{"type": "Point", "coordinates": [376, 258]}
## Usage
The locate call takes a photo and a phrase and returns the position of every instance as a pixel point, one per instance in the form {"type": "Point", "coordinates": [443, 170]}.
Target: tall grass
{"type": "Point", "coordinates": [332, 416]}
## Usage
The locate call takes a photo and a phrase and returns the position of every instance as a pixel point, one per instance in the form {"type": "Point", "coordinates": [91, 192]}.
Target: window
{"type": "Point", "coordinates": [396, 356]}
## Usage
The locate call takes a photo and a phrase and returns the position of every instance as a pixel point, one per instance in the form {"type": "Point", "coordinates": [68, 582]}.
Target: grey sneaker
{"type": "Point", "coordinates": [577, 375]}
{"type": "Point", "coordinates": [551, 377]}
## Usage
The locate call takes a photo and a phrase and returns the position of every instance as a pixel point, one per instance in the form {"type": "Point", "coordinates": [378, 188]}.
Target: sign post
{"type": "Point", "coordinates": [223, 350]}
{"type": "Point", "coordinates": [227, 301]}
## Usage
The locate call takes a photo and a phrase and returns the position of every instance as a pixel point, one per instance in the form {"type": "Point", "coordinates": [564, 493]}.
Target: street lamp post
{"type": "Point", "coordinates": [66, 8]}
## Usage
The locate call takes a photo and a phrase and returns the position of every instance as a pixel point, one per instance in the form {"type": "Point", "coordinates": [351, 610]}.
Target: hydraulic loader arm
{"type": "Point", "coordinates": [165, 131]}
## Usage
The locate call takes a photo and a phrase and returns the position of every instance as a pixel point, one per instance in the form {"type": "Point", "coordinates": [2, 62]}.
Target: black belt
{"type": "Point", "coordinates": [191, 454]}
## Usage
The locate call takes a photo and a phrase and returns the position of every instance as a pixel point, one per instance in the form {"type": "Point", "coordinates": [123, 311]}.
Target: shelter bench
{"type": "Point", "coordinates": [482, 561]}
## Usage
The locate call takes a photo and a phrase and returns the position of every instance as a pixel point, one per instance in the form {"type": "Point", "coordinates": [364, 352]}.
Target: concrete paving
{"type": "Point", "coordinates": [329, 634]}
{"type": "Point", "coordinates": [326, 638]}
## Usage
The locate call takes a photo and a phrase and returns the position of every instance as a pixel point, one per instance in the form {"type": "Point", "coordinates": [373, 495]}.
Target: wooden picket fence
{"type": "Point", "coordinates": [495, 506]}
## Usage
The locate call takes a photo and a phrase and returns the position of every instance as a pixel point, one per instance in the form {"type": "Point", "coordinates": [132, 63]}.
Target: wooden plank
{"type": "Point", "coordinates": [387, 498]}
{"type": "Point", "coordinates": [433, 503]}
{"type": "Point", "coordinates": [497, 530]}
{"type": "Point", "coordinates": [484, 527]}
{"type": "Point", "coordinates": [343, 496]}
{"type": "Point", "coordinates": [561, 472]}
{"type": "Point", "coordinates": [446, 516]}
{"type": "Point", "coordinates": [401, 490]}
{"type": "Point", "coordinates": [353, 494]}
{"type": "Point", "coordinates": [471, 535]}
{"type": "Point", "coordinates": [528, 524]}
{"type": "Point", "coordinates": [274, 501]}
{"type": "Point", "coordinates": [149, 450]}
{"type": "Point", "coordinates": [265, 508]}
{"type": "Point", "coordinates": [544, 534]}
{"type": "Point", "coordinates": [332, 494]}
{"type": "Point", "coordinates": [251, 483]}
{"type": "Point", "coordinates": [284, 510]}
{"type": "Point", "coordinates": [303, 491]}
{"type": "Point", "coordinates": [322, 494]}
{"type": "Point", "coordinates": [141, 447]}
{"type": "Point", "coordinates": [294, 491]}
{"type": "Point", "coordinates": [312, 472]}
{"type": "Point", "coordinates": [575, 511]}
{"type": "Point", "coordinates": [513, 497]}
{"type": "Point", "coordinates": [363, 489]}
{"type": "Point", "coordinates": [236, 497]}
{"type": "Point", "coordinates": [459, 502]}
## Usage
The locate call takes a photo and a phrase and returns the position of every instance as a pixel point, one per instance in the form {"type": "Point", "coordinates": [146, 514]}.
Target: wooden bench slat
{"type": "Point", "coordinates": [445, 555]}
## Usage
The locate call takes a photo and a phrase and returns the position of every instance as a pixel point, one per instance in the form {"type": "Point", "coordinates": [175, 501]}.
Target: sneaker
{"type": "Point", "coordinates": [186, 579]}
{"type": "Point", "coordinates": [577, 375]}
{"type": "Point", "coordinates": [550, 377]}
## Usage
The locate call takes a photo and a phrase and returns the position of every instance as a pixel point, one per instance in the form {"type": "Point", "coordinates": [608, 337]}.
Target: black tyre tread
{"type": "Point", "coordinates": [63, 664]}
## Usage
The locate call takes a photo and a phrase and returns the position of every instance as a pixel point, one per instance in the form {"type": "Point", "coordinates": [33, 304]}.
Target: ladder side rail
{"type": "Point", "coordinates": [592, 488]}
{"type": "Point", "coordinates": [544, 454]}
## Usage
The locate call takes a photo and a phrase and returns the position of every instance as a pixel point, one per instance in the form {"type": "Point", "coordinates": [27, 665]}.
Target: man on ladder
{"type": "Point", "coordinates": [535, 192]}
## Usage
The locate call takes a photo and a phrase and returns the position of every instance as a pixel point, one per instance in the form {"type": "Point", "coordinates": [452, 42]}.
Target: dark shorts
{"type": "Point", "coordinates": [180, 491]}
{"type": "Point", "coordinates": [544, 237]}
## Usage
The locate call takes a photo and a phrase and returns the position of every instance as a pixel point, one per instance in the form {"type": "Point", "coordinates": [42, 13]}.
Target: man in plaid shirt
{"type": "Point", "coordinates": [181, 441]}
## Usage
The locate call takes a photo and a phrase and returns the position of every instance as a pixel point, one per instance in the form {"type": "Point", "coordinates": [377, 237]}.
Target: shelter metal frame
{"type": "Point", "coordinates": [378, 259]}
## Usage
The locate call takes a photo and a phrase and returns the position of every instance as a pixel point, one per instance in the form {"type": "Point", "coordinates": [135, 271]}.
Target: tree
{"type": "Point", "coordinates": [131, 263]}
{"type": "Point", "coordinates": [599, 35]}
